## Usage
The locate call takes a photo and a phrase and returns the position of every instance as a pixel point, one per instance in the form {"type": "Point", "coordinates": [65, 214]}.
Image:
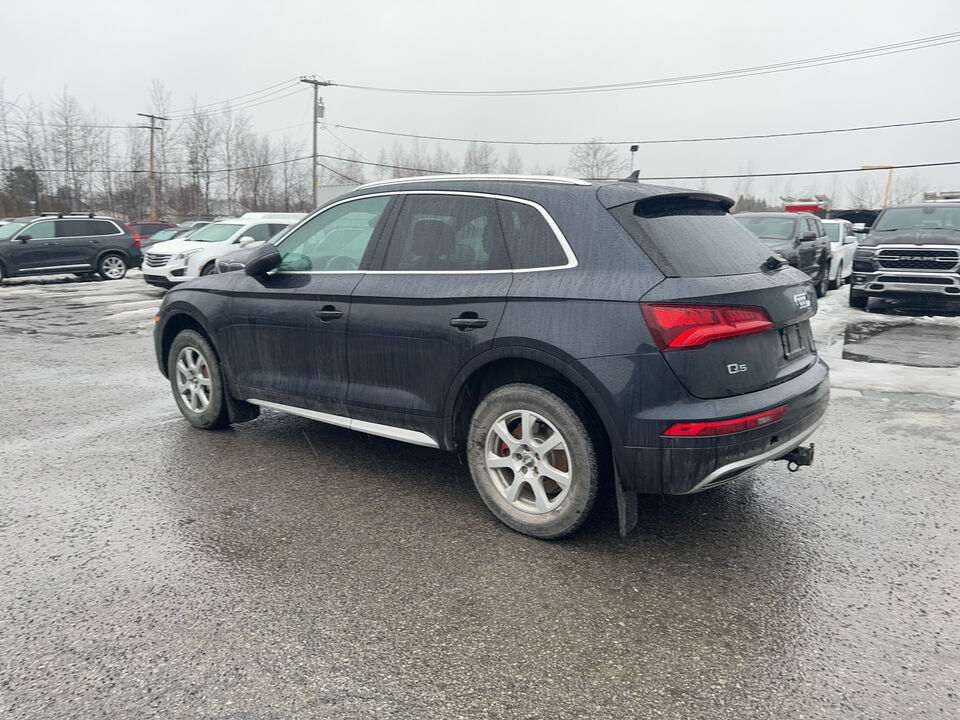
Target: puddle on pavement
{"type": "Point", "coordinates": [933, 346]}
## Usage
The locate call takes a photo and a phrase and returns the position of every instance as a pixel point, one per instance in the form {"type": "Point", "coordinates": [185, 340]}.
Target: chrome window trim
{"type": "Point", "coordinates": [388, 431]}
{"type": "Point", "coordinates": [556, 179]}
{"type": "Point", "coordinates": [572, 260]}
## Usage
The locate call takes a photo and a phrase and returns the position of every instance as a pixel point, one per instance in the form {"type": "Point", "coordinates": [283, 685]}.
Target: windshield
{"type": "Point", "coordinates": [163, 235]}
{"type": "Point", "coordinates": [10, 229]}
{"type": "Point", "coordinates": [214, 233]}
{"type": "Point", "coordinates": [919, 218]}
{"type": "Point", "coordinates": [768, 228]}
{"type": "Point", "coordinates": [833, 231]}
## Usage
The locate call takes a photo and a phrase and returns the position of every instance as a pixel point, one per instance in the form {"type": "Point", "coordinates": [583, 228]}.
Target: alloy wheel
{"type": "Point", "coordinates": [193, 380]}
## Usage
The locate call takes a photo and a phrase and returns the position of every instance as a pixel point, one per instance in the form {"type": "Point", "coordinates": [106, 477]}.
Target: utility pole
{"type": "Point", "coordinates": [317, 114]}
{"type": "Point", "coordinates": [889, 169]}
{"type": "Point", "coordinates": [153, 178]}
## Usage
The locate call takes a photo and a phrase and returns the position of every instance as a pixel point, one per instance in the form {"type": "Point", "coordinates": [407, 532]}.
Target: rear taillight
{"type": "Point", "coordinates": [682, 327]}
{"type": "Point", "coordinates": [726, 427]}
{"type": "Point", "coordinates": [136, 236]}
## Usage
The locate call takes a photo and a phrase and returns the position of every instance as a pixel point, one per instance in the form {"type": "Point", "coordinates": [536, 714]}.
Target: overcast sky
{"type": "Point", "coordinates": [106, 54]}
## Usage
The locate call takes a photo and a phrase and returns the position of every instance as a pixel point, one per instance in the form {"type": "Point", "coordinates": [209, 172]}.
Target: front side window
{"type": "Point", "coordinates": [44, 230]}
{"type": "Point", "coordinates": [531, 242]}
{"type": "Point", "coordinates": [335, 240]}
{"type": "Point", "coordinates": [452, 233]}
{"type": "Point", "coordinates": [260, 233]}
{"type": "Point", "coordinates": [833, 232]}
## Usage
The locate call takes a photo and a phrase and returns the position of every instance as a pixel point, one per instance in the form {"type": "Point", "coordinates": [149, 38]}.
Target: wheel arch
{"type": "Point", "coordinates": [177, 320]}
{"type": "Point", "coordinates": [502, 366]}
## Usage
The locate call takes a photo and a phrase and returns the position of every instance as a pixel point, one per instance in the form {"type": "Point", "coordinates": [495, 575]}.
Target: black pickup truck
{"type": "Point", "coordinates": [912, 251]}
{"type": "Point", "coordinates": [799, 237]}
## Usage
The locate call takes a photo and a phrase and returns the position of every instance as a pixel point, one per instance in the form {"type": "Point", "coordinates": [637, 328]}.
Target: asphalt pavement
{"type": "Point", "coordinates": [288, 569]}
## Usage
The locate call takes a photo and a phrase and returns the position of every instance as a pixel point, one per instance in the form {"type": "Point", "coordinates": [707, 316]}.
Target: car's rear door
{"type": "Point", "coordinates": [436, 300]}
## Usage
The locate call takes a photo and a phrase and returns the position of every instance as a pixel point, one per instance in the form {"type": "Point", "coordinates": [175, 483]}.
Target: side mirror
{"type": "Point", "coordinates": [808, 235]}
{"type": "Point", "coordinates": [265, 259]}
{"type": "Point", "coordinates": [849, 240]}
{"type": "Point", "coordinates": [245, 240]}
{"type": "Point", "coordinates": [23, 238]}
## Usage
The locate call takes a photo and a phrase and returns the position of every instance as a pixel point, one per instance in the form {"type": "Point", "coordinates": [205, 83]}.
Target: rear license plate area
{"type": "Point", "coordinates": [792, 340]}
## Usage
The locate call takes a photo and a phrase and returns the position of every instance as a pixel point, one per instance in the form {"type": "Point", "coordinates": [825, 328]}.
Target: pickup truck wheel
{"type": "Point", "coordinates": [197, 383]}
{"type": "Point", "coordinates": [823, 280]}
{"type": "Point", "coordinates": [112, 267]}
{"type": "Point", "coordinates": [533, 461]}
{"type": "Point", "coordinates": [858, 299]}
{"type": "Point", "coordinates": [838, 280]}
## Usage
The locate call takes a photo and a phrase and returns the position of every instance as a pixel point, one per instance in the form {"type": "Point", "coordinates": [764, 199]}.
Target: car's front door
{"type": "Point", "coordinates": [285, 338]}
{"type": "Point", "coordinates": [436, 299]}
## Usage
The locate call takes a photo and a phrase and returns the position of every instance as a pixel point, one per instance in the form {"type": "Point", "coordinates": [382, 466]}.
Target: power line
{"type": "Point", "coordinates": [446, 172]}
{"type": "Point", "coordinates": [290, 83]}
{"type": "Point", "coordinates": [649, 142]}
{"type": "Point", "coordinates": [849, 56]}
{"type": "Point", "coordinates": [242, 106]}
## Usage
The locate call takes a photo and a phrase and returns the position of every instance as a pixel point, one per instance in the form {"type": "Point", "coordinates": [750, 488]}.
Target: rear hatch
{"type": "Point", "coordinates": [729, 317]}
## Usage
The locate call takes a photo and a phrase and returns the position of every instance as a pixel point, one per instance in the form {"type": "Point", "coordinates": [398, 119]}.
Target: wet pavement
{"type": "Point", "coordinates": [284, 568]}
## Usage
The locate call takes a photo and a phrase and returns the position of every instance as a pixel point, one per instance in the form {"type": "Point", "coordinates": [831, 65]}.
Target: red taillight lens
{"type": "Point", "coordinates": [682, 327]}
{"type": "Point", "coordinates": [136, 236]}
{"type": "Point", "coordinates": [726, 427]}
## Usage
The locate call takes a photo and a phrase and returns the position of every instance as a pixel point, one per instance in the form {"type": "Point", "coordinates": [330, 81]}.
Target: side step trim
{"type": "Point", "coordinates": [388, 431]}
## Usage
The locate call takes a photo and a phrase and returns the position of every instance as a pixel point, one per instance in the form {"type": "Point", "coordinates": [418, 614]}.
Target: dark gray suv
{"type": "Point", "coordinates": [55, 243]}
{"type": "Point", "coordinates": [558, 333]}
{"type": "Point", "coordinates": [798, 237]}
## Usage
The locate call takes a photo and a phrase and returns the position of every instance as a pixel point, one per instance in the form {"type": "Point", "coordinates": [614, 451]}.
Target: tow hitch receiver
{"type": "Point", "coordinates": [798, 457]}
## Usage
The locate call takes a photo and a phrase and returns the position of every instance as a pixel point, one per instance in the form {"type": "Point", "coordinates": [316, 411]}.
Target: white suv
{"type": "Point", "coordinates": [174, 261]}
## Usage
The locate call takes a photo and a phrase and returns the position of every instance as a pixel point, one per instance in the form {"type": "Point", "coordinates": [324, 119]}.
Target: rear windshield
{"type": "Point", "coordinates": [691, 238]}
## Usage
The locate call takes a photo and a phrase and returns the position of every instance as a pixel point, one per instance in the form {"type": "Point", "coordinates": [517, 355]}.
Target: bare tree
{"type": "Point", "coordinates": [200, 140]}
{"type": "Point", "coordinates": [905, 188]}
{"type": "Point", "coordinates": [865, 194]}
{"type": "Point", "coordinates": [593, 160]}
{"type": "Point", "coordinates": [479, 159]}
{"type": "Point", "coordinates": [233, 132]}
{"type": "Point", "coordinates": [256, 174]}
{"type": "Point", "coordinates": [513, 165]}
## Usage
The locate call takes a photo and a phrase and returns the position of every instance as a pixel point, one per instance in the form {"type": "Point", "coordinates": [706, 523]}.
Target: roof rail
{"type": "Point", "coordinates": [499, 178]}
{"type": "Point", "coordinates": [81, 213]}
{"type": "Point", "coordinates": [51, 213]}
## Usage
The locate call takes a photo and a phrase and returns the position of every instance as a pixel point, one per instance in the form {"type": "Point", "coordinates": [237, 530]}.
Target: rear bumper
{"type": "Point", "coordinates": [680, 466]}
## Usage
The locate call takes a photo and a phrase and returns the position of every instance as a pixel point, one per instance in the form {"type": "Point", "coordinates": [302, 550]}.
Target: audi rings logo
{"type": "Point", "coordinates": [802, 301]}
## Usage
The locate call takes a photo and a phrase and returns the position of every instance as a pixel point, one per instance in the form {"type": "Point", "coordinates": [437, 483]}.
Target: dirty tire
{"type": "Point", "coordinates": [823, 280]}
{"type": "Point", "coordinates": [196, 380]}
{"type": "Point", "coordinates": [2, 275]}
{"type": "Point", "coordinates": [112, 267]}
{"type": "Point", "coordinates": [533, 461]}
{"type": "Point", "coordinates": [838, 280]}
{"type": "Point", "coordinates": [858, 299]}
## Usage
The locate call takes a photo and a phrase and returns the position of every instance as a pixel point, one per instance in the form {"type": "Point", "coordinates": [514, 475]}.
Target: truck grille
{"type": "Point", "coordinates": [907, 259]}
{"type": "Point", "coordinates": [153, 260]}
{"type": "Point", "coordinates": [917, 279]}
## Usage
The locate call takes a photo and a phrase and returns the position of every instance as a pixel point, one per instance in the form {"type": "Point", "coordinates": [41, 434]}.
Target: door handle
{"type": "Point", "coordinates": [49, 243]}
{"type": "Point", "coordinates": [95, 242]}
{"type": "Point", "coordinates": [328, 313]}
{"type": "Point", "coordinates": [468, 323]}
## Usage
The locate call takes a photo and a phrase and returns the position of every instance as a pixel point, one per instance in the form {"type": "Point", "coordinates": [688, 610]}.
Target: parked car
{"type": "Point", "coordinates": [912, 251]}
{"type": "Point", "coordinates": [797, 236]}
{"type": "Point", "coordinates": [551, 329]}
{"type": "Point", "coordinates": [146, 228]}
{"type": "Point", "coordinates": [166, 234]}
{"type": "Point", "coordinates": [194, 223]}
{"type": "Point", "coordinates": [174, 261]}
{"type": "Point", "coordinates": [79, 243]}
{"type": "Point", "coordinates": [843, 245]}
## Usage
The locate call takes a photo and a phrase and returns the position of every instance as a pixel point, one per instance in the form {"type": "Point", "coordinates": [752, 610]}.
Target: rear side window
{"type": "Point", "coordinates": [452, 233]}
{"type": "Point", "coordinates": [531, 242]}
{"type": "Point", "coordinates": [687, 237]}
{"type": "Point", "coordinates": [73, 228]}
{"type": "Point", "coordinates": [103, 227]}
